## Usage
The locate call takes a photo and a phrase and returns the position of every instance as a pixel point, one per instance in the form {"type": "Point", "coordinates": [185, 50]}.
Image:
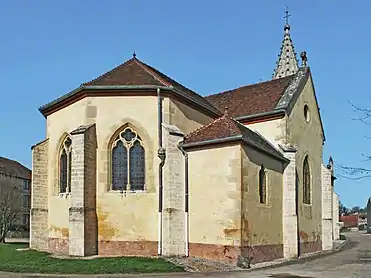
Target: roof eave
{"type": "Point", "coordinates": [280, 158]}
{"type": "Point", "coordinates": [261, 115]}
{"type": "Point", "coordinates": [229, 140]}
{"type": "Point", "coordinates": [49, 105]}
{"type": "Point", "coordinates": [211, 142]}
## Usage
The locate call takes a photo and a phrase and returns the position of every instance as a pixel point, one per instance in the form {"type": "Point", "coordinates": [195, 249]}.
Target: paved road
{"type": "Point", "coordinates": [353, 261]}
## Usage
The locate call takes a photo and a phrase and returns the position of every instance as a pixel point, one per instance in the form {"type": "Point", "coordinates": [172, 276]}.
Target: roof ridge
{"type": "Point", "coordinates": [107, 73]}
{"type": "Point", "coordinates": [250, 85]}
{"type": "Point", "coordinates": [145, 67]}
{"type": "Point", "coordinates": [198, 130]}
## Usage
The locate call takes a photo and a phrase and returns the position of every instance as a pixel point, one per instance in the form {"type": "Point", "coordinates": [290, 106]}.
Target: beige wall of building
{"type": "Point", "coordinates": [307, 138]}
{"type": "Point", "coordinates": [262, 222]}
{"type": "Point", "coordinates": [121, 217]}
{"type": "Point", "coordinates": [23, 197]}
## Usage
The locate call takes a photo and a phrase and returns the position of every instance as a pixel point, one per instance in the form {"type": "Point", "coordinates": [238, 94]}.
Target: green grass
{"type": "Point", "coordinates": [30, 261]}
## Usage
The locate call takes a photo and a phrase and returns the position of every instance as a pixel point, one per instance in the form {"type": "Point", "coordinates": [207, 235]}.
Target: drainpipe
{"type": "Point", "coordinates": [186, 201]}
{"type": "Point", "coordinates": [162, 155]}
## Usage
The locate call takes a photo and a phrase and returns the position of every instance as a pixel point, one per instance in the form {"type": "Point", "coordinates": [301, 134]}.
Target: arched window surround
{"type": "Point", "coordinates": [64, 158]}
{"type": "Point", "coordinates": [307, 181]}
{"type": "Point", "coordinates": [134, 144]}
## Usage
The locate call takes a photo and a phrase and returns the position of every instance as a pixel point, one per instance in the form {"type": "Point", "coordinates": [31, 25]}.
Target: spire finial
{"type": "Point", "coordinates": [134, 55]}
{"type": "Point", "coordinates": [287, 15]}
{"type": "Point", "coordinates": [287, 63]}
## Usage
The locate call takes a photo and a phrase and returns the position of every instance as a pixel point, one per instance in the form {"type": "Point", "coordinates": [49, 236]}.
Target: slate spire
{"type": "Point", "coordinates": [287, 63]}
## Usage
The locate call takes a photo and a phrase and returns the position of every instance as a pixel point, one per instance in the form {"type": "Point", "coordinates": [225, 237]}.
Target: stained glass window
{"type": "Point", "coordinates": [136, 166]}
{"type": "Point", "coordinates": [65, 166]}
{"type": "Point", "coordinates": [119, 166]}
{"type": "Point", "coordinates": [63, 172]}
{"type": "Point", "coordinates": [306, 182]}
{"type": "Point", "coordinates": [262, 186]}
{"type": "Point", "coordinates": [128, 162]}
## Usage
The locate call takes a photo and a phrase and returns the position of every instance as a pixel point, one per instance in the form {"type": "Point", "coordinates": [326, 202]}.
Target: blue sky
{"type": "Point", "coordinates": [50, 47]}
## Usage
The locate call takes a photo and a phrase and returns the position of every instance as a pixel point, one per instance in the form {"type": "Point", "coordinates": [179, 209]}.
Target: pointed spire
{"type": "Point", "coordinates": [287, 63]}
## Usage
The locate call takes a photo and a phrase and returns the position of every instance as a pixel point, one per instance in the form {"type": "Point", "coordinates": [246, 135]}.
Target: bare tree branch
{"type": "Point", "coordinates": [358, 173]}
{"type": "Point", "coordinates": [366, 114]}
{"type": "Point", "coordinates": [10, 208]}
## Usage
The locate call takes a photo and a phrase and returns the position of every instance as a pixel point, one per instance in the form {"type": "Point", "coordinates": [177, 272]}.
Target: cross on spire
{"type": "Point", "coordinates": [287, 15]}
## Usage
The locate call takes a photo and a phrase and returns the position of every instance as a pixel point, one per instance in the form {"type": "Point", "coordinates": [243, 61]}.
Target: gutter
{"type": "Point", "coordinates": [162, 155]}
{"type": "Point", "coordinates": [186, 201]}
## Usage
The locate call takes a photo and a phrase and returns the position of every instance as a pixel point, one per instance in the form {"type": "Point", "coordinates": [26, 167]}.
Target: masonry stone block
{"type": "Point", "coordinates": [83, 234]}
{"type": "Point", "coordinates": [39, 195]}
{"type": "Point", "coordinates": [174, 192]}
{"type": "Point", "coordinates": [290, 219]}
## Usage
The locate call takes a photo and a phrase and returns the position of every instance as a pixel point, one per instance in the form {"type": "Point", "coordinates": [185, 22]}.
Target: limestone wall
{"type": "Point", "coordinates": [307, 137]}
{"type": "Point", "coordinates": [327, 207]}
{"type": "Point", "coordinates": [262, 234]}
{"type": "Point", "coordinates": [274, 130]}
{"type": "Point", "coordinates": [39, 193]}
{"type": "Point", "coordinates": [122, 218]}
{"type": "Point", "coordinates": [215, 202]}
{"type": "Point", "coordinates": [185, 118]}
{"type": "Point", "coordinates": [335, 216]}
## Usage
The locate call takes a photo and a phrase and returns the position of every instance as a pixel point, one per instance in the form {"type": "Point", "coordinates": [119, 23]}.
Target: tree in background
{"type": "Point", "coordinates": [10, 208]}
{"type": "Point", "coordinates": [343, 210]}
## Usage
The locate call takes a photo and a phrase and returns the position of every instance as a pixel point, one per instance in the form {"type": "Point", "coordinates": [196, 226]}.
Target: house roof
{"type": "Point", "coordinates": [13, 168]}
{"type": "Point", "coordinates": [349, 220]}
{"type": "Point", "coordinates": [226, 129]}
{"type": "Point", "coordinates": [135, 74]}
{"type": "Point", "coordinates": [251, 99]}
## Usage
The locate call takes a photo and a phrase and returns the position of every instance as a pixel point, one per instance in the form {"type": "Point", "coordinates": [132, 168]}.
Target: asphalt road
{"type": "Point", "coordinates": [353, 261]}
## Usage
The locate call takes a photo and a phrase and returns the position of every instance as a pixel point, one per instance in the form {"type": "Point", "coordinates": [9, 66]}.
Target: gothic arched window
{"type": "Point", "coordinates": [262, 186]}
{"type": "Point", "coordinates": [306, 182]}
{"type": "Point", "coordinates": [65, 160]}
{"type": "Point", "coordinates": [127, 161]}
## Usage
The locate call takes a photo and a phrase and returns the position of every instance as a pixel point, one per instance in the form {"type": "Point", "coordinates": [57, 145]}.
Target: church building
{"type": "Point", "coordinates": [135, 163]}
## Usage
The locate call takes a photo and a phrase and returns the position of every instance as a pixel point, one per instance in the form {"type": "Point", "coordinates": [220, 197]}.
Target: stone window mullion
{"type": "Point", "coordinates": [128, 187]}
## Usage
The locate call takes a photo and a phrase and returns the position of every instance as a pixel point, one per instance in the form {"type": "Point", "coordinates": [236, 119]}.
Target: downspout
{"type": "Point", "coordinates": [162, 155]}
{"type": "Point", "coordinates": [186, 201]}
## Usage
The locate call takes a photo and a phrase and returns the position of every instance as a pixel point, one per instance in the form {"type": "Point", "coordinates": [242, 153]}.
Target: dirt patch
{"type": "Point", "coordinates": [191, 264]}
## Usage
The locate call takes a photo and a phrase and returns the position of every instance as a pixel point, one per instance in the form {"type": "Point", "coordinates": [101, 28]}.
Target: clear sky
{"type": "Point", "coordinates": [50, 47]}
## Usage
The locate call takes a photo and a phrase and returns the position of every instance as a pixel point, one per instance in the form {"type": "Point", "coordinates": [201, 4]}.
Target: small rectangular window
{"type": "Point", "coordinates": [26, 201]}
{"type": "Point", "coordinates": [26, 185]}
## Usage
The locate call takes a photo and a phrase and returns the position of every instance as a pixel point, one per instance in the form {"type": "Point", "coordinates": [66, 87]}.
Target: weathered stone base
{"type": "Point", "coordinates": [127, 248]}
{"type": "Point", "coordinates": [259, 253]}
{"type": "Point", "coordinates": [310, 247]}
{"type": "Point", "coordinates": [58, 245]}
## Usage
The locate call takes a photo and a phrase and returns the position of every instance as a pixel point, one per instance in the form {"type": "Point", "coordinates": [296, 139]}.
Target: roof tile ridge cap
{"type": "Point", "coordinates": [198, 130]}
{"type": "Point", "coordinates": [250, 85]}
{"type": "Point", "coordinates": [104, 74]}
{"type": "Point", "coordinates": [148, 70]}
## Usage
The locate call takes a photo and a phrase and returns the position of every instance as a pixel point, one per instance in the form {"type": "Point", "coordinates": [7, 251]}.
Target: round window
{"type": "Point", "coordinates": [306, 113]}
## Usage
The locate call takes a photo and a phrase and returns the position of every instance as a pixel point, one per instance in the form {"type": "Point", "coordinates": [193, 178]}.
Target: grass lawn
{"type": "Point", "coordinates": [30, 261]}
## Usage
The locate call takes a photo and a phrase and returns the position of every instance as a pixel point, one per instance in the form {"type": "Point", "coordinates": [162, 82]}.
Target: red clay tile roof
{"type": "Point", "coordinates": [226, 127]}
{"type": "Point", "coordinates": [222, 127]}
{"type": "Point", "coordinates": [349, 220]}
{"type": "Point", "coordinates": [251, 99]}
{"type": "Point", "coordinates": [135, 72]}
{"type": "Point", "coordinates": [14, 168]}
